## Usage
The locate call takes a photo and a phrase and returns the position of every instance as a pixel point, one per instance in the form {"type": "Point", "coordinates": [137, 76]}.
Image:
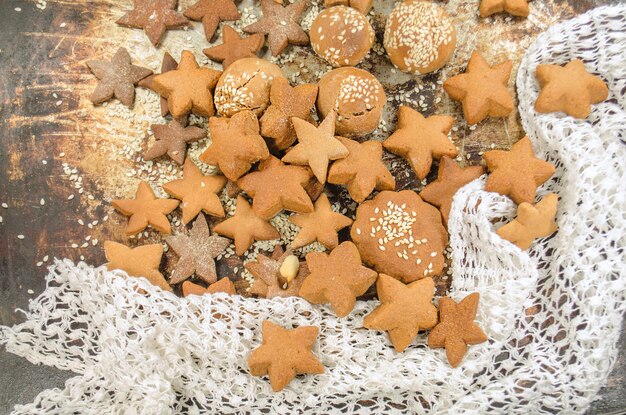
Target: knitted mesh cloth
{"type": "Point", "coordinates": [553, 314]}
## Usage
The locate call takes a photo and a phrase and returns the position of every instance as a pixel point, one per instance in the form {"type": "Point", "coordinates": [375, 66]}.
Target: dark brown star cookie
{"type": "Point", "coordinates": [268, 279]}
{"type": "Point", "coordinates": [211, 12]}
{"type": "Point", "coordinates": [172, 139]}
{"type": "Point", "coordinates": [154, 17]}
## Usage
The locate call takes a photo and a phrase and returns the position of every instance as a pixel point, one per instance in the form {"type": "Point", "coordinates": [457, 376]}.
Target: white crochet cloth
{"type": "Point", "coordinates": [553, 315]}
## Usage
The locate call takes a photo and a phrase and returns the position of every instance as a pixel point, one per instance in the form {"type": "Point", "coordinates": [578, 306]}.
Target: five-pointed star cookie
{"type": "Point", "coordinates": [142, 261]}
{"type": "Point", "coordinates": [456, 328]}
{"type": "Point", "coordinates": [277, 186]}
{"type": "Point", "coordinates": [338, 278]}
{"type": "Point", "coordinates": [168, 64]}
{"type": "Point", "coordinates": [246, 227]}
{"type": "Point", "coordinates": [450, 178]}
{"type": "Point", "coordinates": [224, 285]}
{"type": "Point", "coordinates": [172, 139]}
{"type": "Point", "coordinates": [532, 222]}
{"type": "Point", "coordinates": [145, 209]}
{"type": "Point", "coordinates": [517, 173]}
{"type": "Point", "coordinates": [117, 78]}
{"type": "Point", "coordinates": [280, 24]}
{"type": "Point", "coordinates": [320, 225]}
{"type": "Point", "coordinates": [363, 170]}
{"type": "Point", "coordinates": [236, 144]}
{"type": "Point", "coordinates": [267, 278]}
{"type": "Point", "coordinates": [482, 89]}
{"type": "Point", "coordinates": [154, 17]}
{"type": "Point", "coordinates": [287, 102]}
{"type": "Point", "coordinates": [569, 89]}
{"type": "Point", "coordinates": [188, 87]}
{"type": "Point", "coordinates": [404, 309]}
{"type": "Point", "coordinates": [234, 47]}
{"type": "Point", "coordinates": [420, 140]}
{"type": "Point", "coordinates": [284, 354]}
{"type": "Point", "coordinates": [197, 192]}
{"type": "Point", "coordinates": [514, 7]}
{"type": "Point", "coordinates": [316, 147]}
{"type": "Point", "coordinates": [211, 12]}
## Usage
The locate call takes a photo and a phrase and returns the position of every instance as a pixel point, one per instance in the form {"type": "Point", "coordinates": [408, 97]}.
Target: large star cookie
{"type": "Point", "coordinates": [514, 7]}
{"type": "Point", "coordinates": [154, 17]}
{"type": "Point", "coordinates": [142, 261]}
{"type": "Point", "coordinates": [172, 139]}
{"type": "Point", "coordinates": [168, 64]}
{"type": "Point", "coordinates": [268, 279]}
{"type": "Point", "coordinates": [320, 225]}
{"type": "Point", "coordinates": [531, 222]}
{"type": "Point", "coordinates": [234, 47]}
{"type": "Point", "coordinates": [211, 12]}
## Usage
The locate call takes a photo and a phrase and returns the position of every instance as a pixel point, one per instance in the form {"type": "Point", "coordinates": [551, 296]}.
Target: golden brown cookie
{"type": "Point", "coordinates": [514, 7]}
{"type": "Point", "coordinates": [142, 261]}
{"type": "Point", "coordinates": [234, 47]}
{"type": "Point", "coordinates": [155, 17]}
{"type": "Point", "coordinates": [400, 235]}
{"type": "Point", "coordinates": [211, 12]}
{"type": "Point", "coordinates": [362, 6]}
{"type": "Point", "coordinates": [404, 310]}
{"type": "Point", "coordinates": [320, 225]}
{"type": "Point", "coordinates": [532, 222]}
{"type": "Point", "coordinates": [224, 285]}
{"type": "Point", "coordinates": [271, 277]}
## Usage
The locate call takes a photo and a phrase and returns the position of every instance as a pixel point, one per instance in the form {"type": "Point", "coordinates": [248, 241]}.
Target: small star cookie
{"type": "Point", "coordinates": [532, 222]}
{"type": "Point", "coordinates": [154, 17]}
{"type": "Point", "coordinates": [268, 279]}
{"type": "Point", "coordinates": [142, 261]}
{"type": "Point", "coordinates": [172, 139]}
{"type": "Point", "coordinates": [320, 225]}
{"type": "Point", "coordinates": [514, 7]}
{"type": "Point", "coordinates": [211, 12]}
{"type": "Point", "coordinates": [234, 47]}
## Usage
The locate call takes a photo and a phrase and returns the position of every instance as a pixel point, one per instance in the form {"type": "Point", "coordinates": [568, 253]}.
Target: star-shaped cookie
{"type": "Point", "coordinates": [211, 12]}
{"type": "Point", "coordinates": [267, 278]}
{"type": "Point", "coordinates": [168, 64]}
{"type": "Point", "coordinates": [362, 6]}
{"type": "Point", "coordinates": [287, 102]}
{"type": "Point", "coordinates": [188, 88]}
{"type": "Point", "coordinates": [224, 285]}
{"type": "Point", "coordinates": [117, 78]}
{"type": "Point", "coordinates": [456, 328]}
{"type": "Point", "coordinates": [404, 309]}
{"type": "Point", "coordinates": [277, 186]}
{"type": "Point", "coordinates": [142, 261]}
{"type": "Point", "coordinates": [420, 140]}
{"type": "Point", "coordinates": [281, 25]}
{"type": "Point", "coordinates": [172, 139]}
{"type": "Point", "coordinates": [236, 144]}
{"type": "Point", "coordinates": [363, 170]}
{"type": "Point", "coordinates": [532, 222]}
{"type": "Point", "coordinates": [234, 47]}
{"type": "Point", "coordinates": [482, 89]}
{"type": "Point", "coordinates": [245, 227]}
{"type": "Point", "coordinates": [569, 89]}
{"type": "Point", "coordinates": [450, 178]}
{"type": "Point", "coordinates": [514, 7]}
{"type": "Point", "coordinates": [338, 278]}
{"type": "Point", "coordinates": [154, 17]}
{"type": "Point", "coordinates": [145, 209]}
{"type": "Point", "coordinates": [284, 354]}
{"type": "Point", "coordinates": [320, 225]}
{"type": "Point", "coordinates": [517, 173]}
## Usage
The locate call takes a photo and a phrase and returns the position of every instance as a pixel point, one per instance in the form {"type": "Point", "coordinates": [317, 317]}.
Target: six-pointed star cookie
{"type": "Point", "coordinates": [517, 173]}
{"type": "Point", "coordinates": [338, 278]}
{"type": "Point", "coordinates": [482, 89]}
{"type": "Point", "coordinates": [117, 78]}
{"type": "Point", "coordinates": [168, 64]}
{"type": "Point", "coordinates": [236, 144]}
{"type": "Point", "coordinates": [211, 12]}
{"type": "Point", "coordinates": [197, 192]}
{"type": "Point", "coordinates": [531, 222]}
{"type": "Point", "coordinates": [404, 309]}
{"type": "Point", "coordinates": [188, 87]}
{"type": "Point", "coordinates": [420, 140]}
{"type": "Point", "coordinates": [234, 47]}
{"type": "Point", "coordinates": [320, 225]}
{"type": "Point", "coordinates": [224, 285]}
{"type": "Point", "coordinates": [514, 7]}
{"type": "Point", "coordinates": [569, 89]}
{"type": "Point", "coordinates": [267, 277]}
{"type": "Point", "coordinates": [457, 328]}
{"type": "Point", "coordinates": [145, 209]}
{"type": "Point", "coordinates": [154, 17]}
{"type": "Point", "coordinates": [172, 139]}
{"type": "Point", "coordinates": [142, 261]}
{"type": "Point", "coordinates": [246, 227]}
{"type": "Point", "coordinates": [284, 354]}
{"type": "Point", "coordinates": [280, 24]}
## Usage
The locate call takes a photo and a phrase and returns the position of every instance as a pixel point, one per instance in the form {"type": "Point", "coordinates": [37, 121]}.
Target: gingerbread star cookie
{"type": "Point", "coordinates": [277, 186]}
{"type": "Point", "coordinates": [236, 144]}
{"type": "Point", "coordinates": [514, 7]}
{"type": "Point", "coordinates": [154, 17]}
{"type": "Point", "coordinates": [569, 89]}
{"type": "Point", "coordinates": [211, 12]}
{"type": "Point", "coordinates": [246, 227]}
{"type": "Point", "coordinates": [450, 178]}
{"type": "Point", "coordinates": [338, 278]}
{"type": "Point", "coordinates": [287, 102]}
{"type": "Point", "coordinates": [117, 78]}
{"type": "Point", "coordinates": [172, 139]}
{"type": "Point", "coordinates": [279, 276]}
{"type": "Point", "coordinates": [142, 261]}
{"type": "Point", "coordinates": [168, 64]}
{"type": "Point", "coordinates": [362, 6]}
{"type": "Point", "coordinates": [234, 47]}
{"type": "Point", "coordinates": [517, 173]}
{"type": "Point", "coordinates": [404, 309]}
{"type": "Point", "coordinates": [188, 87]}
{"type": "Point", "coordinates": [482, 89]}
{"type": "Point", "coordinates": [420, 140]}
{"type": "Point", "coordinates": [457, 329]}
{"type": "Point", "coordinates": [145, 209]}
{"type": "Point", "coordinates": [320, 225]}
{"type": "Point", "coordinates": [281, 25]}
{"type": "Point", "coordinates": [316, 147]}
{"type": "Point", "coordinates": [284, 354]}
{"type": "Point", "coordinates": [532, 222]}
{"type": "Point", "coordinates": [363, 170]}
{"type": "Point", "coordinates": [224, 285]}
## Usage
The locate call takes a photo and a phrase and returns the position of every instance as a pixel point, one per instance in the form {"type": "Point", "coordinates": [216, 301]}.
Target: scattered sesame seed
{"type": "Point", "coordinates": [20, 236]}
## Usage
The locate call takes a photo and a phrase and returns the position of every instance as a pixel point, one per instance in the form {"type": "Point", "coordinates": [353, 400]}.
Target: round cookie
{"type": "Point", "coordinates": [245, 85]}
{"type": "Point", "coordinates": [400, 235]}
{"type": "Point", "coordinates": [356, 96]}
{"type": "Point", "coordinates": [341, 35]}
{"type": "Point", "coordinates": [419, 37]}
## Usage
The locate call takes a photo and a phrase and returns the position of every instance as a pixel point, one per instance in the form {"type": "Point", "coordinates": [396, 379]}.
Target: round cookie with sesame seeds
{"type": "Point", "coordinates": [399, 234]}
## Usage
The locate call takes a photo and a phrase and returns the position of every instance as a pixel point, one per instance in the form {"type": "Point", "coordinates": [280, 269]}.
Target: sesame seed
{"type": "Point", "coordinates": [20, 236]}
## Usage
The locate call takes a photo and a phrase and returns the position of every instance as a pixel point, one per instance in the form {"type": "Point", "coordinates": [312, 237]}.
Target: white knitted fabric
{"type": "Point", "coordinates": [553, 315]}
